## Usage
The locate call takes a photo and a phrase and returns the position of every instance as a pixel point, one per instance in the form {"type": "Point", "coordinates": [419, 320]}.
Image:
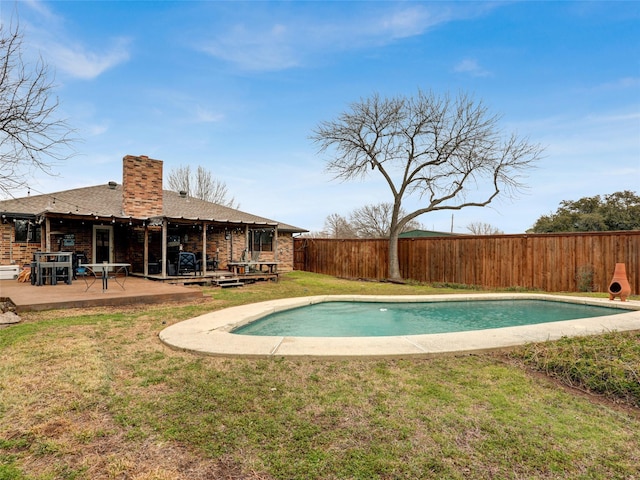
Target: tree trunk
{"type": "Point", "coordinates": [394, 263]}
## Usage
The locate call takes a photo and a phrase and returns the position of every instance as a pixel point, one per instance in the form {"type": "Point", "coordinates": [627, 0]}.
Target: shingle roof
{"type": "Point", "coordinates": [105, 201]}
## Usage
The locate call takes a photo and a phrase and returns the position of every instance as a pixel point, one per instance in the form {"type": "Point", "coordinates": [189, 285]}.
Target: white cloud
{"type": "Point", "coordinates": [264, 49]}
{"type": "Point", "coordinates": [260, 44]}
{"type": "Point", "coordinates": [80, 63]}
{"type": "Point", "coordinates": [206, 116]}
{"type": "Point", "coordinates": [50, 37]}
{"type": "Point", "coordinates": [623, 83]}
{"type": "Point", "coordinates": [586, 155]}
{"type": "Point", "coordinates": [182, 107]}
{"type": "Point", "coordinates": [41, 9]}
{"type": "Point", "coordinates": [472, 67]}
{"type": "Point", "coordinates": [408, 22]}
{"type": "Point", "coordinates": [597, 136]}
{"type": "Point", "coordinates": [94, 130]}
{"type": "Point", "coordinates": [618, 117]}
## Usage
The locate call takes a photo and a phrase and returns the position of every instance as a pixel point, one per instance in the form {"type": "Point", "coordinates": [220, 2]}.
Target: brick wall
{"type": "Point", "coordinates": [285, 252]}
{"type": "Point", "coordinates": [141, 186]}
{"type": "Point", "coordinates": [12, 252]}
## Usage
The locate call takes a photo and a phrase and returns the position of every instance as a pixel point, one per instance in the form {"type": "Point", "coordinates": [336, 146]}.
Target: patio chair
{"type": "Point", "coordinates": [153, 265]}
{"type": "Point", "coordinates": [64, 274]}
{"type": "Point", "coordinates": [78, 259]}
{"type": "Point", "coordinates": [212, 263]}
{"type": "Point", "coordinates": [201, 264]}
{"type": "Point", "coordinates": [187, 263]}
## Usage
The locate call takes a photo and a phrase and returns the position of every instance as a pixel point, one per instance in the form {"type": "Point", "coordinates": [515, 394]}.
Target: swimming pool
{"type": "Point", "coordinates": [210, 334]}
{"type": "Point", "coordinates": [375, 319]}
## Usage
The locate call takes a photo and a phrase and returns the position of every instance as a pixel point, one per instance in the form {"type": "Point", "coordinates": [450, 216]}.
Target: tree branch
{"type": "Point", "coordinates": [31, 138]}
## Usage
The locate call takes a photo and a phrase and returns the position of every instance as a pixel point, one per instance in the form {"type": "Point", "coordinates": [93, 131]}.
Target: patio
{"type": "Point", "coordinates": [27, 297]}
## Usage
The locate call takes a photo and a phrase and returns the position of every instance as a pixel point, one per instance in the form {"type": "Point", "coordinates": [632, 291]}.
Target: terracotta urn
{"type": "Point", "coordinates": [619, 286]}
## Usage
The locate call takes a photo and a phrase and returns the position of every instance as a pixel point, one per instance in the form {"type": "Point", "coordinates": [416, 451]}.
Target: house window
{"type": "Point", "coordinates": [27, 231]}
{"type": "Point", "coordinates": [261, 240]}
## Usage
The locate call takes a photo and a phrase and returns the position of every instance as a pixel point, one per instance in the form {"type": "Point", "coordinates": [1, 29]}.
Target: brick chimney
{"type": "Point", "coordinates": [141, 186]}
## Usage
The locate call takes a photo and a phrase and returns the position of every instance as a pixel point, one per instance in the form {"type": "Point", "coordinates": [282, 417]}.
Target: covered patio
{"type": "Point", "coordinates": [170, 250]}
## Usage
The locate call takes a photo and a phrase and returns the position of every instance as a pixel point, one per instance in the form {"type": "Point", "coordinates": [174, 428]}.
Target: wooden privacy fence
{"type": "Point", "coordinates": [566, 262]}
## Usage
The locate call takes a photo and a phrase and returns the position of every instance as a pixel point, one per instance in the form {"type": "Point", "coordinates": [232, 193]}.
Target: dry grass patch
{"type": "Point", "coordinates": [58, 390]}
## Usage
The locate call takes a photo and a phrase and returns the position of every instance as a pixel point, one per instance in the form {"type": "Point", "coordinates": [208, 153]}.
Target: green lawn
{"type": "Point", "coordinates": [95, 395]}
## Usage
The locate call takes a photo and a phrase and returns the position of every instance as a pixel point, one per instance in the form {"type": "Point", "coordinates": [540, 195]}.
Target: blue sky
{"type": "Point", "coordinates": [238, 87]}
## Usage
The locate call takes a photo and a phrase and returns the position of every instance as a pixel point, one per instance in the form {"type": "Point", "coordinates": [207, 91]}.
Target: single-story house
{"type": "Point", "coordinates": [140, 223]}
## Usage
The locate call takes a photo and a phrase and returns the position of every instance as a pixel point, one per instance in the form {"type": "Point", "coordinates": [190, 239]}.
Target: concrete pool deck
{"type": "Point", "coordinates": [209, 334]}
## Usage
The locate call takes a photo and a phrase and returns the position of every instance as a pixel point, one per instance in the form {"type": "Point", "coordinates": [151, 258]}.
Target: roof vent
{"type": "Point", "coordinates": [183, 193]}
{"type": "Point", "coordinates": [112, 185]}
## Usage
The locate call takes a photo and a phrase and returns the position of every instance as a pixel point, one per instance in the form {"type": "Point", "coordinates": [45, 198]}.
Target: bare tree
{"type": "Point", "coordinates": [374, 221]}
{"type": "Point", "coordinates": [481, 228]}
{"type": "Point", "coordinates": [31, 137]}
{"type": "Point", "coordinates": [448, 152]}
{"type": "Point", "coordinates": [200, 185]}
{"type": "Point", "coordinates": [337, 226]}
{"type": "Point", "coordinates": [370, 221]}
{"type": "Point", "coordinates": [316, 234]}
{"type": "Point", "coordinates": [212, 189]}
{"type": "Point", "coordinates": [179, 179]}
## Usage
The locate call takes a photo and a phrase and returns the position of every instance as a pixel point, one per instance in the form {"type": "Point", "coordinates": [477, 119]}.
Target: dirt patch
{"type": "Point", "coordinates": [114, 457]}
{"type": "Point", "coordinates": [92, 445]}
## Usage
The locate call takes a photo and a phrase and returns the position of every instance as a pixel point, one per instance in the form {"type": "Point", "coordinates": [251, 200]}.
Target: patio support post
{"type": "Point", "coordinates": [145, 254]}
{"type": "Point", "coordinates": [204, 248]}
{"type": "Point", "coordinates": [246, 241]}
{"type": "Point", "coordinates": [275, 242]}
{"type": "Point", "coordinates": [43, 238]}
{"type": "Point", "coordinates": [47, 226]}
{"type": "Point", "coordinates": [164, 248]}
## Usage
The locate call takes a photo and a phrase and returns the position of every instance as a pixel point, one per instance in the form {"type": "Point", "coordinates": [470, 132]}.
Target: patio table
{"type": "Point", "coordinates": [272, 267]}
{"type": "Point", "coordinates": [104, 269]}
{"type": "Point", "coordinates": [237, 267]}
{"type": "Point", "coordinates": [47, 265]}
{"type": "Point", "coordinates": [241, 267]}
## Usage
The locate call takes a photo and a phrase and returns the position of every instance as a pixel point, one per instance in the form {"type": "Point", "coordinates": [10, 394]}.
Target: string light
{"type": "Point", "coordinates": [56, 200]}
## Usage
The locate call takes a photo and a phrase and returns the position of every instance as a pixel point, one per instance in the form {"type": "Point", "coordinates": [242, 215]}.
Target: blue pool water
{"type": "Point", "coordinates": [374, 319]}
